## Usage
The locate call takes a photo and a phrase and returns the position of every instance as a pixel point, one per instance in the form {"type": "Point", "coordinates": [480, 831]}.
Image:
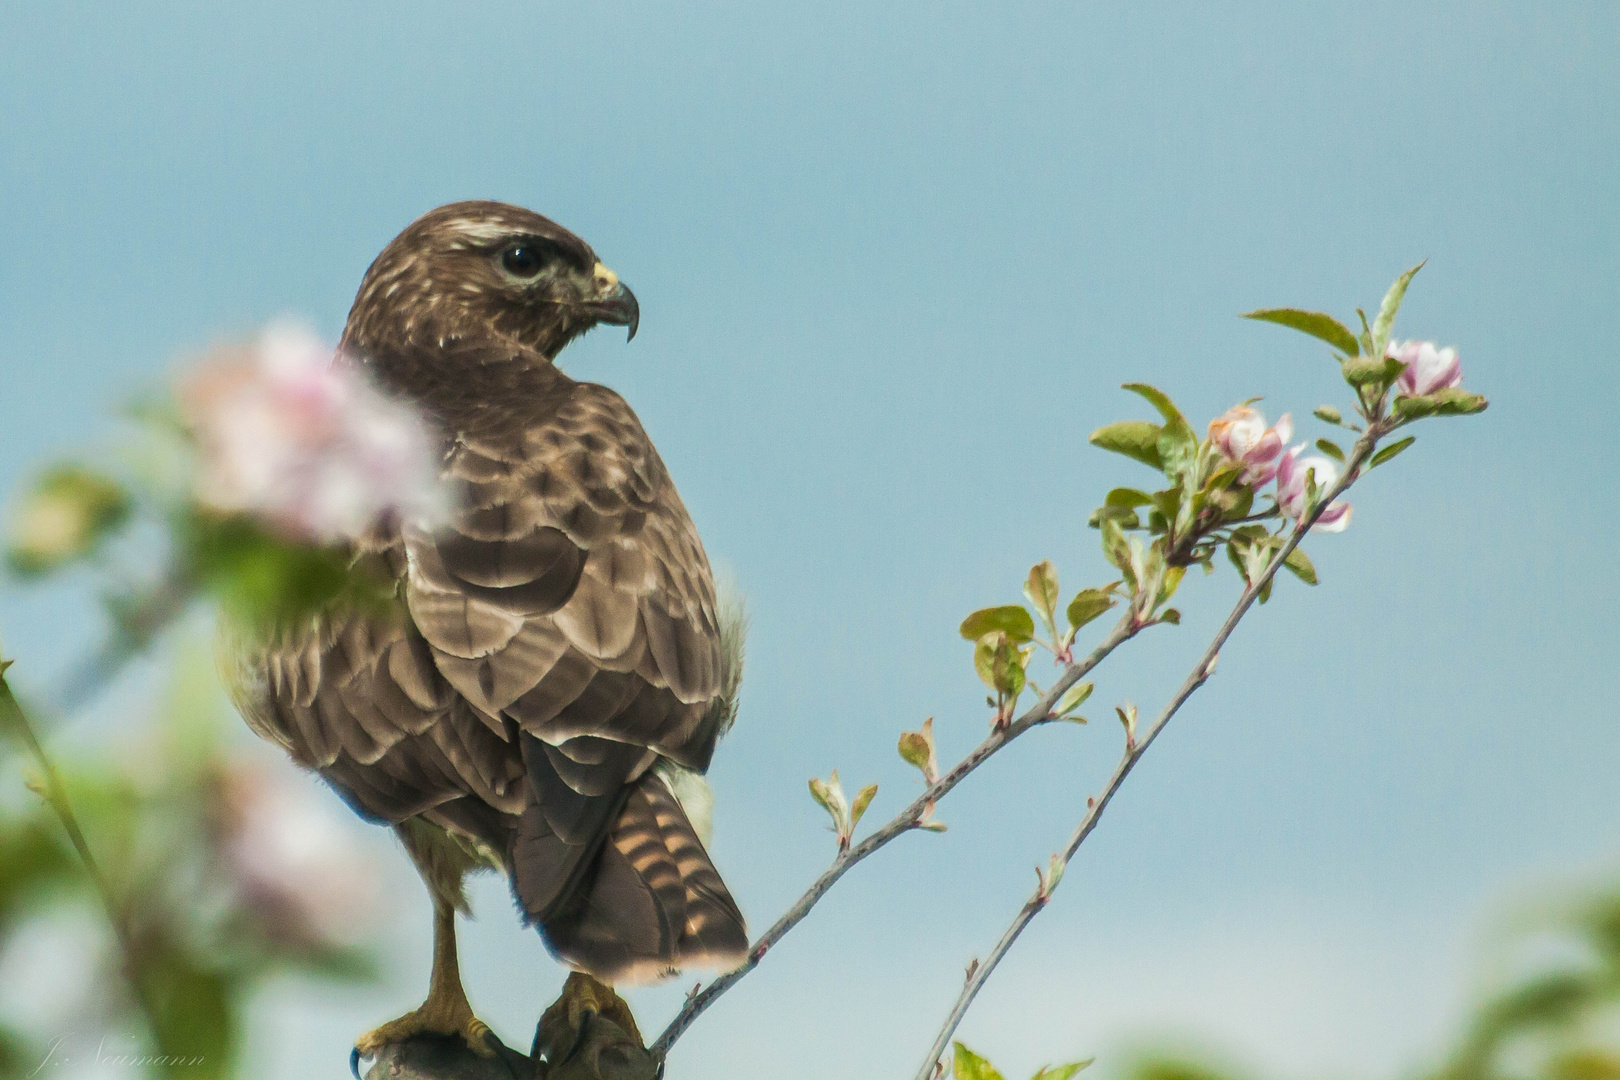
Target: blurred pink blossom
{"type": "Point", "coordinates": [1292, 469]}
{"type": "Point", "coordinates": [305, 444]}
{"type": "Point", "coordinates": [292, 863]}
{"type": "Point", "coordinates": [1240, 433]}
{"type": "Point", "coordinates": [1427, 368]}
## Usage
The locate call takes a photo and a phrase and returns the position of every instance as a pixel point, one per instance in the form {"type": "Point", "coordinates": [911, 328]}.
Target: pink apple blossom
{"type": "Point", "coordinates": [1241, 435]}
{"type": "Point", "coordinates": [1292, 469]}
{"type": "Point", "coordinates": [1428, 368]}
{"type": "Point", "coordinates": [305, 444]}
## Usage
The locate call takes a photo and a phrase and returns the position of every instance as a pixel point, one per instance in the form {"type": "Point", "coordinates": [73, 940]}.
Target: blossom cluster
{"type": "Point", "coordinates": [305, 444]}
{"type": "Point", "coordinates": [1241, 435]}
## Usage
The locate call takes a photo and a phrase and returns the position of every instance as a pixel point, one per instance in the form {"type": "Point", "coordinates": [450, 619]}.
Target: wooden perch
{"type": "Point", "coordinates": [586, 1034]}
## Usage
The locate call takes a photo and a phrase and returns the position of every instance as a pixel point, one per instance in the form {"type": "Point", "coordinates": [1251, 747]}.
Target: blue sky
{"type": "Point", "coordinates": [894, 262]}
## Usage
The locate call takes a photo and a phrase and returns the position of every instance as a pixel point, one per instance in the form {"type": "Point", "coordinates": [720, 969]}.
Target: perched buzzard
{"type": "Point", "coordinates": [554, 674]}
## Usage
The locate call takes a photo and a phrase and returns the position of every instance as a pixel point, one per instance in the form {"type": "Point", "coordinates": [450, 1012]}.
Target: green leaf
{"type": "Point", "coordinates": [1127, 718]}
{"type": "Point", "coordinates": [1000, 663]}
{"type": "Point", "coordinates": [1127, 497]}
{"type": "Point", "coordinates": [984, 657]}
{"type": "Point", "coordinates": [1456, 401]}
{"type": "Point", "coordinates": [1365, 337]}
{"type": "Point", "coordinates": [1074, 697]}
{"type": "Point", "coordinates": [1169, 583]}
{"type": "Point", "coordinates": [1331, 449]}
{"type": "Point", "coordinates": [1087, 605]}
{"type": "Point", "coordinates": [1328, 414]}
{"type": "Point", "coordinates": [1062, 1072]}
{"type": "Point", "coordinates": [1160, 401]}
{"type": "Point", "coordinates": [1386, 311]}
{"type": "Point", "coordinates": [1041, 589]}
{"type": "Point", "coordinates": [1134, 438]}
{"type": "Point", "coordinates": [1300, 563]}
{"type": "Point", "coordinates": [1390, 451]}
{"type": "Point", "coordinates": [970, 1066]}
{"type": "Point", "coordinates": [917, 748]}
{"type": "Point", "coordinates": [1314, 323]}
{"type": "Point", "coordinates": [863, 799]}
{"type": "Point", "coordinates": [931, 825]}
{"type": "Point", "coordinates": [1115, 548]}
{"type": "Point", "coordinates": [1123, 515]}
{"type": "Point", "coordinates": [1170, 615]}
{"type": "Point", "coordinates": [1178, 443]}
{"type": "Point", "coordinates": [829, 794]}
{"type": "Point", "coordinates": [1453, 401]}
{"type": "Point", "coordinates": [1011, 619]}
{"type": "Point", "coordinates": [1366, 371]}
{"type": "Point", "coordinates": [1008, 668]}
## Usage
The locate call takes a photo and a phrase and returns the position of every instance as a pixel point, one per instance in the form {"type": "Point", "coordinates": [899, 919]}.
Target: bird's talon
{"type": "Point", "coordinates": [471, 1030]}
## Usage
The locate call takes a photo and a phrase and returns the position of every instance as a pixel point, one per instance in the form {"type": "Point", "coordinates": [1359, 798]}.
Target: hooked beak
{"type": "Point", "coordinates": [615, 303]}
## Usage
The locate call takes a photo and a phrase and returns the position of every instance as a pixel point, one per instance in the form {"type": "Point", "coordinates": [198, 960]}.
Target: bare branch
{"type": "Point", "coordinates": [1134, 749]}
{"type": "Point", "coordinates": [907, 820]}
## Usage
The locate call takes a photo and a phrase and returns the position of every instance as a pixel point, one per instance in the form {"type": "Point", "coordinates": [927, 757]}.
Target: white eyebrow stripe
{"type": "Point", "coordinates": [479, 230]}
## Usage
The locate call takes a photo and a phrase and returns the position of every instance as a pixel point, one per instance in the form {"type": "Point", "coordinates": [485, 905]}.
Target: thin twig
{"type": "Point", "coordinates": [54, 792]}
{"type": "Point", "coordinates": [907, 820]}
{"type": "Point", "coordinates": [1134, 749]}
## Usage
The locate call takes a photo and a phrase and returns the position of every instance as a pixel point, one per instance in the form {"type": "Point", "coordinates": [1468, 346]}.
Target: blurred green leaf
{"type": "Point", "coordinates": [1331, 449]}
{"type": "Point", "coordinates": [1134, 438]}
{"type": "Point", "coordinates": [264, 582]}
{"type": "Point", "coordinates": [1587, 1064]}
{"type": "Point", "coordinates": [1062, 1072]}
{"type": "Point", "coordinates": [1387, 310]}
{"type": "Point", "coordinates": [1170, 615]}
{"type": "Point", "coordinates": [1315, 323]}
{"type": "Point", "coordinates": [970, 1066]}
{"type": "Point", "coordinates": [192, 1012]}
{"type": "Point", "coordinates": [1329, 414]}
{"type": "Point", "coordinates": [1011, 619]}
{"type": "Point", "coordinates": [67, 514]}
{"type": "Point", "coordinates": [1388, 452]}
{"type": "Point", "coordinates": [1173, 1069]}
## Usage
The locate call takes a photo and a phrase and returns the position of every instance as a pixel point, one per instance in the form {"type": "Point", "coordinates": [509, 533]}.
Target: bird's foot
{"type": "Point", "coordinates": [447, 1018]}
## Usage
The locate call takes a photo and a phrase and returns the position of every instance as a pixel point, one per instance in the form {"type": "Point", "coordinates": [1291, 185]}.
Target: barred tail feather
{"type": "Point", "coordinates": [654, 905]}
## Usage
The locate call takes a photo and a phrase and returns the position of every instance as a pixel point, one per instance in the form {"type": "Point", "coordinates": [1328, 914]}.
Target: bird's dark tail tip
{"type": "Point", "coordinates": [654, 905]}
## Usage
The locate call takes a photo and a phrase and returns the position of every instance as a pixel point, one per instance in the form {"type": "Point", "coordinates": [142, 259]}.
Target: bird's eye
{"type": "Point", "coordinates": [523, 260]}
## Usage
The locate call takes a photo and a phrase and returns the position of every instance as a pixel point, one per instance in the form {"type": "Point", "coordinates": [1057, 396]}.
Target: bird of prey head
{"type": "Point", "coordinates": [470, 268]}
